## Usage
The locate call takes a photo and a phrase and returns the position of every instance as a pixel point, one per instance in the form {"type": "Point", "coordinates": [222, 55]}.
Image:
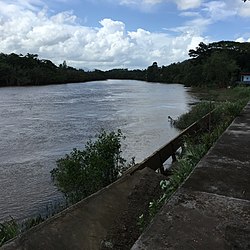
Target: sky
{"type": "Point", "coordinates": [107, 34]}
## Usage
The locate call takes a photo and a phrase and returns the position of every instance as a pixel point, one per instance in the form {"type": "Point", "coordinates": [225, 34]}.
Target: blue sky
{"type": "Point", "coordinates": [107, 34]}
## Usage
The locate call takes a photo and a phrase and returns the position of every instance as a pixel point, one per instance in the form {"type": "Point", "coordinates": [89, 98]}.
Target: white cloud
{"type": "Point", "coordinates": [59, 37]}
{"type": "Point", "coordinates": [143, 5]}
{"type": "Point", "coordinates": [242, 40]}
{"type": "Point", "coordinates": [211, 12]}
{"type": "Point", "coordinates": [188, 4]}
{"type": "Point", "coordinates": [244, 9]}
{"type": "Point", "coordinates": [27, 26]}
{"type": "Point", "coordinates": [219, 10]}
{"type": "Point", "coordinates": [190, 14]}
{"type": "Point", "coordinates": [148, 4]}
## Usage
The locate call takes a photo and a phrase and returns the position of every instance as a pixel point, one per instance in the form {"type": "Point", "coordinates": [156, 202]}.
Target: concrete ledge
{"type": "Point", "coordinates": [212, 208]}
{"type": "Point", "coordinates": [86, 224]}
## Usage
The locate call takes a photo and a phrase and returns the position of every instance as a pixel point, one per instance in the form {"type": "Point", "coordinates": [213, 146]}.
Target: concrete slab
{"type": "Point", "coordinates": [196, 220]}
{"type": "Point", "coordinates": [211, 210]}
{"type": "Point", "coordinates": [222, 179]}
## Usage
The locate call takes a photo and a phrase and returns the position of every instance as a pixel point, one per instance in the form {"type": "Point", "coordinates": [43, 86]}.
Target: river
{"type": "Point", "coordinates": [39, 125]}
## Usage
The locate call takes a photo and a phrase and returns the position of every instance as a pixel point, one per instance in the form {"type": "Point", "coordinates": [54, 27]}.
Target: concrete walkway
{"type": "Point", "coordinates": [212, 208]}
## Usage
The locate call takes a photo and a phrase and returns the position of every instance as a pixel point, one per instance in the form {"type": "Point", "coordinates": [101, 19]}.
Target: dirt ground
{"type": "Point", "coordinates": [125, 231]}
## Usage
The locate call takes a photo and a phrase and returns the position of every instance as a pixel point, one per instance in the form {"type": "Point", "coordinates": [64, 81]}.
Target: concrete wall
{"type": "Point", "coordinates": [86, 224]}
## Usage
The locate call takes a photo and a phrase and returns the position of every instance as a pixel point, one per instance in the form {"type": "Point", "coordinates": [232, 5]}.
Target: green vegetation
{"type": "Point", "coordinates": [136, 74]}
{"type": "Point", "coordinates": [82, 173]}
{"type": "Point", "coordinates": [8, 230]}
{"type": "Point", "coordinates": [196, 147]}
{"type": "Point", "coordinates": [78, 175]}
{"type": "Point", "coordinates": [11, 228]}
{"type": "Point", "coordinates": [19, 70]}
{"type": "Point", "coordinates": [196, 113]}
{"type": "Point", "coordinates": [217, 64]}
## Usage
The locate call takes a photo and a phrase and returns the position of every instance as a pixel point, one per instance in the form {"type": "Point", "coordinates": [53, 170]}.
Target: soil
{"type": "Point", "coordinates": [125, 231]}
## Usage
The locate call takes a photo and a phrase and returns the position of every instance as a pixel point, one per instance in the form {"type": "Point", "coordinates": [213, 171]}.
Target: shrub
{"type": "Point", "coordinates": [82, 173]}
{"type": "Point", "coordinates": [196, 113]}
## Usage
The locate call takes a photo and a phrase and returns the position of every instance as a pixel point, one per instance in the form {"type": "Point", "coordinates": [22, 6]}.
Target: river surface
{"type": "Point", "coordinates": [39, 125]}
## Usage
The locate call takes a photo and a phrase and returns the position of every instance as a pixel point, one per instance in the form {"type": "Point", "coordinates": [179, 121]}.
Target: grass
{"type": "Point", "coordinates": [227, 102]}
{"type": "Point", "coordinates": [8, 230]}
{"type": "Point", "coordinates": [195, 148]}
{"type": "Point", "coordinates": [11, 228]}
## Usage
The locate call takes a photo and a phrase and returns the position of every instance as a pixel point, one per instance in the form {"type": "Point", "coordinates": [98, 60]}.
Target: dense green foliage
{"type": "Point", "coordinates": [217, 64]}
{"type": "Point", "coordinates": [82, 173]}
{"type": "Point", "coordinates": [126, 74]}
{"type": "Point", "coordinates": [19, 70]}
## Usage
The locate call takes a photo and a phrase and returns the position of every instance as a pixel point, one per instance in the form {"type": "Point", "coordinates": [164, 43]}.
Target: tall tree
{"type": "Point", "coordinates": [220, 70]}
{"type": "Point", "coordinates": [153, 73]}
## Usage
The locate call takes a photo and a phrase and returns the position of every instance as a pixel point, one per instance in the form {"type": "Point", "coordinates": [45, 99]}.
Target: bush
{"type": "Point", "coordinates": [196, 113]}
{"type": "Point", "coordinates": [82, 173]}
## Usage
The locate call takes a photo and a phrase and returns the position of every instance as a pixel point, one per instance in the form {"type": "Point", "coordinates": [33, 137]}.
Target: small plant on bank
{"type": "Point", "coordinates": [82, 173]}
{"type": "Point", "coordinates": [8, 230]}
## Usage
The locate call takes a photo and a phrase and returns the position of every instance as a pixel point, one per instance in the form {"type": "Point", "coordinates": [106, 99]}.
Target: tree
{"type": "Point", "coordinates": [153, 73]}
{"type": "Point", "coordinates": [63, 65]}
{"type": "Point", "coordinates": [82, 173]}
{"type": "Point", "coordinates": [220, 69]}
{"type": "Point", "coordinates": [201, 50]}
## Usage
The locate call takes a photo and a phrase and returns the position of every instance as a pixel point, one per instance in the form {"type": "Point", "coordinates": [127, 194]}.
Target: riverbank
{"type": "Point", "coordinates": [134, 222]}
{"type": "Point", "coordinates": [211, 210]}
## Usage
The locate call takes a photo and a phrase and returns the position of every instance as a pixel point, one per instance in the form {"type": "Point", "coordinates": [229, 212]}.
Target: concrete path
{"type": "Point", "coordinates": [212, 208]}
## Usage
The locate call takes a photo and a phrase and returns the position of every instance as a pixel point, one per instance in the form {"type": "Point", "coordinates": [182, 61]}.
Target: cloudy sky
{"type": "Point", "coordinates": [107, 34]}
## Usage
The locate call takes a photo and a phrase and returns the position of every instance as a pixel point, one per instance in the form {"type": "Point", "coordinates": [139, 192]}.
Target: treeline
{"type": "Point", "coordinates": [218, 64]}
{"type": "Point", "coordinates": [19, 70]}
{"type": "Point", "coordinates": [136, 74]}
